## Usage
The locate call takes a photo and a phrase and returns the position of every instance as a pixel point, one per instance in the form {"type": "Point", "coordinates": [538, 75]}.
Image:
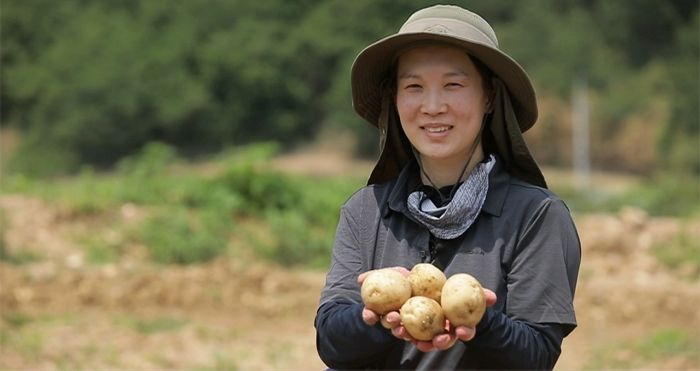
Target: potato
{"type": "Point", "coordinates": [463, 300]}
{"type": "Point", "coordinates": [422, 317]}
{"type": "Point", "coordinates": [426, 280]}
{"type": "Point", "coordinates": [385, 290]}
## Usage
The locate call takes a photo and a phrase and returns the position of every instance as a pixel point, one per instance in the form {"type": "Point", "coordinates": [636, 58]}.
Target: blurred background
{"type": "Point", "coordinates": [171, 173]}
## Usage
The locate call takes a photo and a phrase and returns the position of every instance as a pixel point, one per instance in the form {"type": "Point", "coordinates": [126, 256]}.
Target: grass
{"type": "Point", "coordinates": [16, 319]}
{"type": "Point", "coordinates": [177, 235]}
{"type": "Point", "coordinates": [21, 256]}
{"type": "Point", "coordinates": [222, 362]}
{"type": "Point", "coordinates": [24, 333]}
{"type": "Point", "coordinates": [663, 195]}
{"type": "Point", "coordinates": [101, 249]}
{"type": "Point", "coordinates": [682, 251]}
{"type": "Point", "coordinates": [654, 349]}
{"type": "Point", "coordinates": [192, 218]}
{"type": "Point", "coordinates": [149, 326]}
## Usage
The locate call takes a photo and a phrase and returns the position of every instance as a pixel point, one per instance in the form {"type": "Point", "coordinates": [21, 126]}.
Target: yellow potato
{"type": "Point", "coordinates": [422, 317]}
{"type": "Point", "coordinates": [385, 290]}
{"type": "Point", "coordinates": [426, 280]}
{"type": "Point", "coordinates": [463, 300]}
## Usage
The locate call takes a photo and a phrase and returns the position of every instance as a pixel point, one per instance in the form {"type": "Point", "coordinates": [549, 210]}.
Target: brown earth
{"type": "Point", "coordinates": [238, 313]}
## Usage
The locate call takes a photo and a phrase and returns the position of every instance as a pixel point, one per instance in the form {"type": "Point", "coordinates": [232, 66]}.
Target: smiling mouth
{"type": "Point", "coordinates": [437, 129]}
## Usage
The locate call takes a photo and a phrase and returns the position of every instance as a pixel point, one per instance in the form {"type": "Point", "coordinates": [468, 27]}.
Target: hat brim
{"type": "Point", "coordinates": [373, 63]}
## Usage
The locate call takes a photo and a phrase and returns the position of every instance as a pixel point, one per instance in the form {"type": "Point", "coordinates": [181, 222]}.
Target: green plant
{"type": "Point", "coordinates": [153, 325]}
{"type": "Point", "coordinates": [656, 346]}
{"type": "Point", "coordinates": [144, 176]}
{"type": "Point", "coordinates": [152, 160]}
{"type": "Point", "coordinates": [99, 251]}
{"type": "Point", "coordinates": [669, 342]}
{"type": "Point", "coordinates": [256, 187]}
{"type": "Point", "coordinates": [16, 319]}
{"type": "Point", "coordinates": [295, 240]}
{"type": "Point", "coordinates": [663, 195]}
{"type": "Point", "coordinates": [666, 194]}
{"type": "Point", "coordinates": [222, 362]}
{"type": "Point", "coordinates": [182, 236]}
{"type": "Point", "coordinates": [682, 250]}
{"type": "Point", "coordinates": [19, 257]}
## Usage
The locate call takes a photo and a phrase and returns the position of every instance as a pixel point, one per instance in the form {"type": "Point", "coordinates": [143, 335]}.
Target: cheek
{"type": "Point", "coordinates": [469, 106]}
{"type": "Point", "coordinates": [405, 107]}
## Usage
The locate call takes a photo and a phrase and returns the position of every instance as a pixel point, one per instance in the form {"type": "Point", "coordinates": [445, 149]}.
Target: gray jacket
{"type": "Point", "coordinates": [523, 246]}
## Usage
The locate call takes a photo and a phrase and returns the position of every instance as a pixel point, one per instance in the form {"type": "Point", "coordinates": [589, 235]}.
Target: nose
{"type": "Point", "coordinates": [433, 103]}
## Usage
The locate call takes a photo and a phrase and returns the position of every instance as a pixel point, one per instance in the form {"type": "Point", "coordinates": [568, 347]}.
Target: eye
{"type": "Point", "coordinates": [453, 85]}
{"type": "Point", "coordinates": [412, 87]}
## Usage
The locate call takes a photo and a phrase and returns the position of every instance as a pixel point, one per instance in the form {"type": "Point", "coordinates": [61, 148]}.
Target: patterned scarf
{"type": "Point", "coordinates": [453, 219]}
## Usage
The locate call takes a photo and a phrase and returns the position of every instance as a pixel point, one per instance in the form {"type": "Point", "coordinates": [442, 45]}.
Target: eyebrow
{"type": "Point", "coordinates": [411, 75]}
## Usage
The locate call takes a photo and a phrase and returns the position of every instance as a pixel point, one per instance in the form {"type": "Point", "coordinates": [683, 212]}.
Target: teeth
{"type": "Point", "coordinates": [438, 129]}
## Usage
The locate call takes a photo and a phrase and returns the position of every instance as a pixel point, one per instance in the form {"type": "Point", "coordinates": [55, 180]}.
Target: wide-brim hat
{"type": "Point", "coordinates": [445, 24]}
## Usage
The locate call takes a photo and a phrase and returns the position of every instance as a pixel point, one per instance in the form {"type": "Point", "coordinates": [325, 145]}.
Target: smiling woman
{"type": "Point", "coordinates": [455, 186]}
{"type": "Point", "coordinates": [441, 102]}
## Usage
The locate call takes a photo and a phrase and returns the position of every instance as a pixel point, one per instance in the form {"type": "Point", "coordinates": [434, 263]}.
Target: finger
{"type": "Point", "coordinates": [465, 333]}
{"type": "Point", "coordinates": [490, 297]}
{"type": "Point", "coordinates": [369, 317]}
{"type": "Point", "coordinates": [401, 333]}
{"type": "Point", "coordinates": [362, 276]}
{"type": "Point", "coordinates": [402, 270]}
{"type": "Point", "coordinates": [424, 346]}
{"type": "Point", "coordinates": [391, 320]}
{"type": "Point", "coordinates": [444, 341]}
{"type": "Point", "coordinates": [393, 317]}
{"type": "Point", "coordinates": [386, 324]}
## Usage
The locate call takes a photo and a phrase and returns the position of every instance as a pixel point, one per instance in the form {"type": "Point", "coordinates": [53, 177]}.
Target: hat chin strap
{"type": "Point", "coordinates": [472, 150]}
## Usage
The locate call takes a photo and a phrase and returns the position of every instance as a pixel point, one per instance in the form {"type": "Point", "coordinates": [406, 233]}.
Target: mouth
{"type": "Point", "coordinates": [436, 129]}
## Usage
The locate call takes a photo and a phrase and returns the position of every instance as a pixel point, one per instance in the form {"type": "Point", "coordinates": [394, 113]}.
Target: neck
{"type": "Point", "coordinates": [443, 172]}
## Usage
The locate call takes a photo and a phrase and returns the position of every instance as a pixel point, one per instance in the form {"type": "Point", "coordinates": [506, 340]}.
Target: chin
{"type": "Point", "coordinates": [435, 155]}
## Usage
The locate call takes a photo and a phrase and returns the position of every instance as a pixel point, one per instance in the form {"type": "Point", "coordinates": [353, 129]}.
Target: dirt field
{"type": "Point", "coordinates": [240, 314]}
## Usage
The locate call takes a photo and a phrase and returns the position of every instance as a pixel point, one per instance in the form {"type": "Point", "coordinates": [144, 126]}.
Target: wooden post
{"type": "Point", "coordinates": [580, 134]}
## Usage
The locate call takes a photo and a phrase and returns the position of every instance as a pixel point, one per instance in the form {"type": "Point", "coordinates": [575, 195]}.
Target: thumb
{"type": "Point", "coordinates": [490, 297]}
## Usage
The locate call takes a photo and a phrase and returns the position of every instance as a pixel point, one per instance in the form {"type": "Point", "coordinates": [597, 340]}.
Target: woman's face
{"type": "Point", "coordinates": [441, 102]}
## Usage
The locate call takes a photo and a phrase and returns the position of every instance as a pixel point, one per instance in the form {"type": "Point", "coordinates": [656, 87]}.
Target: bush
{"type": "Point", "coordinates": [667, 195]}
{"type": "Point", "coordinates": [192, 216]}
{"type": "Point", "coordinates": [183, 236]}
{"type": "Point", "coordinates": [681, 251]}
{"type": "Point", "coordinates": [663, 195]}
{"type": "Point", "coordinates": [297, 240]}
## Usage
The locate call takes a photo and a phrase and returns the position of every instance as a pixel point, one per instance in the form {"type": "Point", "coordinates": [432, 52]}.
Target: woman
{"type": "Point", "coordinates": [456, 186]}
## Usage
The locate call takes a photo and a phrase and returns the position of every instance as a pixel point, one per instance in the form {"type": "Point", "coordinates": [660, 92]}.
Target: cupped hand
{"type": "Point", "coordinates": [446, 340]}
{"type": "Point", "coordinates": [441, 341]}
{"type": "Point", "coordinates": [369, 316]}
{"type": "Point", "coordinates": [453, 333]}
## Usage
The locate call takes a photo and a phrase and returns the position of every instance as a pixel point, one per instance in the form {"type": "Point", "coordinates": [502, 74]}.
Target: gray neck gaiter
{"type": "Point", "coordinates": [452, 220]}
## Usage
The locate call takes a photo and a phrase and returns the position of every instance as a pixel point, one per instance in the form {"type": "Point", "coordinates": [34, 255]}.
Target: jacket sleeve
{"type": "Point", "coordinates": [541, 281]}
{"type": "Point", "coordinates": [541, 276]}
{"type": "Point", "coordinates": [343, 340]}
{"type": "Point", "coordinates": [505, 343]}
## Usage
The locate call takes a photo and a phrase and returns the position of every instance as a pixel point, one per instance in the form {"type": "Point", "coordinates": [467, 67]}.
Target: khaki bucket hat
{"type": "Point", "coordinates": [515, 106]}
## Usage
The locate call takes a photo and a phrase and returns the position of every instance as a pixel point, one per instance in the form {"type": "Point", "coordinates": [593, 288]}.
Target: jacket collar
{"type": "Point", "coordinates": [409, 179]}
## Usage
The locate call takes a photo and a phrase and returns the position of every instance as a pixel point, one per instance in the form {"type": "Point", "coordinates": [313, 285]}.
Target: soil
{"type": "Point", "coordinates": [59, 312]}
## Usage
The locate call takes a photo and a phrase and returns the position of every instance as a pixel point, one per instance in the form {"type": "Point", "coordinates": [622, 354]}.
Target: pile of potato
{"type": "Point", "coordinates": [425, 298]}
